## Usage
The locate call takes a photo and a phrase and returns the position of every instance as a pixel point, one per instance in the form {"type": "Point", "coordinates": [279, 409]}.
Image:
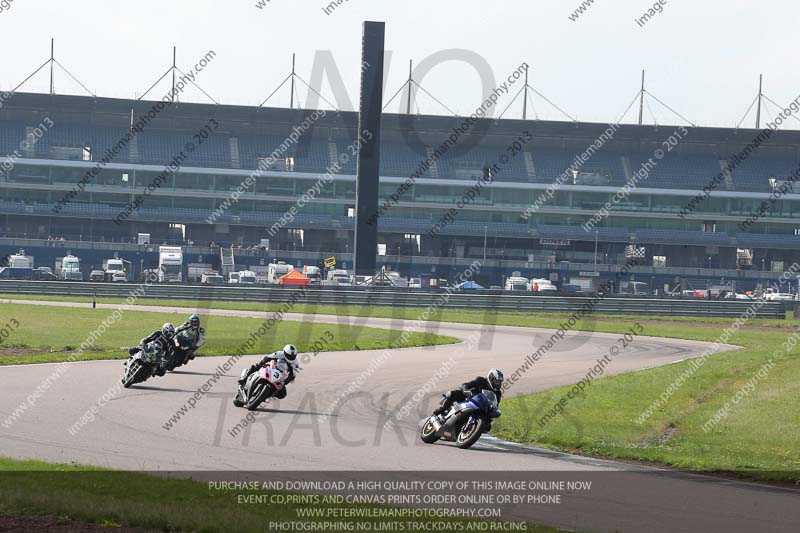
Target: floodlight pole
{"type": "Point", "coordinates": [525, 101]}
{"type": "Point", "coordinates": [410, 88]}
{"type": "Point", "coordinates": [760, 93]}
{"type": "Point", "coordinates": [291, 96]}
{"type": "Point", "coordinates": [641, 101]}
{"type": "Point", "coordinates": [485, 235]}
{"type": "Point", "coordinates": [174, 68]}
{"type": "Point", "coordinates": [52, 60]}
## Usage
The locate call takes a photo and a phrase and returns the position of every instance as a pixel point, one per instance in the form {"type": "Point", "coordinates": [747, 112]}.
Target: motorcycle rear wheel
{"type": "Point", "coordinates": [469, 434]}
{"type": "Point", "coordinates": [237, 402]}
{"type": "Point", "coordinates": [428, 433]}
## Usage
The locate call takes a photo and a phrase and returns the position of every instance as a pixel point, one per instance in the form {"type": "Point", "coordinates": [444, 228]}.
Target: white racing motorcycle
{"type": "Point", "coordinates": [261, 385]}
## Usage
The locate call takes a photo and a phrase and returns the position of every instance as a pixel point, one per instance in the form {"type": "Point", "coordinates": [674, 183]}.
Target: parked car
{"type": "Point", "coordinates": [572, 289]}
{"type": "Point", "coordinates": [212, 278]}
{"type": "Point", "coordinates": [44, 274]}
{"type": "Point", "coordinates": [548, 290]}
{"type": "Point", "coordinates": [779, 297]}
{"type": "Point", "coordinates": [119, 277]}
{"type": "Point", "coordinates": [97, 275]}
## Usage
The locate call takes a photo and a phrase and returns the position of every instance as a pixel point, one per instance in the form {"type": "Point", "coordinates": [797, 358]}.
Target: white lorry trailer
{"type": "Point", "coordinates": [170, 264]}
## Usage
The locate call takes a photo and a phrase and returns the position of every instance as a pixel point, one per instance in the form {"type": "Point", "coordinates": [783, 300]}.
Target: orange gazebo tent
{"type": "Point", "coordinates": [295, 277]}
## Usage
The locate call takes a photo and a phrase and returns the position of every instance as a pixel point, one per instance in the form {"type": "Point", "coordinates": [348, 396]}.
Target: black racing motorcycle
{"type": "Point", "coordinates": [183, 352]}
{"type": "Point", "coordinates": [143, 363]}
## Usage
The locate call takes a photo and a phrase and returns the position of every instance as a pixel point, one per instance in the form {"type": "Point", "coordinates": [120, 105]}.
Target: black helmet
{"type": "Point", "coordinates": [290, 352]}
{"type": "Point", "coordinates": [194, 320]}
{"type": "Point", "coordinates": [495, 378]}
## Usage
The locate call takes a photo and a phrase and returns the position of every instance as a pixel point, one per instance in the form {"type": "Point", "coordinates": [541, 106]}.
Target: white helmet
{"type": "Point", "coordinates": [290, 352]}
{"type": "Point", "coordinates": [495, 378]}
{"type": "Point", "coordinates": [168, 330]}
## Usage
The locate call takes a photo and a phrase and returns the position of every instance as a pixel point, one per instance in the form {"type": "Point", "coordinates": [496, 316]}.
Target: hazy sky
{"type": "Point", "coordinates": [702, 58]}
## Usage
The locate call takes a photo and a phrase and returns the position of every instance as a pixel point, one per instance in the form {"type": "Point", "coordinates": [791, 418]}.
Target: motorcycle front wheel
{"type": "Point", "coordinates": [258, 394]}
{"type": "Point", "coordinates": [428, 432]}
{"type": "Point", "coordinates": [132, 372]}
{"type": "Point", "coordinates": [470, 432]}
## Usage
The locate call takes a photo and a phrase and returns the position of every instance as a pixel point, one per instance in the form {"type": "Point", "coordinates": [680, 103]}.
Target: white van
{"type": "Point", "coordinates": [543, 286]}
{"type": "Point", "coordinates": [247, 277]}
{"type": "Point", "coordinates": [517, 283]}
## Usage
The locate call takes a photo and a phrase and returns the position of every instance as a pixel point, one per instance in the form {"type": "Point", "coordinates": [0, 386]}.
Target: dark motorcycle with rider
{"type": "Point", "coordinates": [189, 337]}
{"type": "Point", "coordinates": [150, 357]}
{"type": "Point", "coordinates": [465, 413]}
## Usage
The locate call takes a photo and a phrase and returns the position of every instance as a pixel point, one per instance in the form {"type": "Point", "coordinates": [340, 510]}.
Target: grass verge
{"type": "Point", "coordinates": [116, 498]}
{"type": "Point", "coordinates": [43, 334]}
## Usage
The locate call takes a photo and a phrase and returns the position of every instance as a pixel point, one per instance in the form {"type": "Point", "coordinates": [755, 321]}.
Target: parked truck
{"type": "Point", "coordinates": [170, 264]}
{"type": "Point", "coordinates": [313, 273]}
{"type": "Point", "coordinates": [542, 286]}
{"type": "Point", "coordinates": [17, 266]}
{"type": "Point", "coordinates": [70, 268]}
{"type": "Point", "coordinates": [114, 270]}
{"type": "Point", "coordinates": [20, 260]}
{"type": "Point", "coordinates": [338, 277]}
{"type": "Point", "coordinates": [517, 283]}
{"type": "Point", "coordinates": [276, 271]}
{"type": "Point", "coordinates": [247, 277]}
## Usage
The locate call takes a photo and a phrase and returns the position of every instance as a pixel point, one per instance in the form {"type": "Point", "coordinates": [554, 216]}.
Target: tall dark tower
{"type": "Point", "coordinates": [365, 248]}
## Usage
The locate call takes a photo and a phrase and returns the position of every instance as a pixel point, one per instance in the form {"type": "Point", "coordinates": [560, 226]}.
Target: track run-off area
{"type": "Point", "coordinates": [360, 411]}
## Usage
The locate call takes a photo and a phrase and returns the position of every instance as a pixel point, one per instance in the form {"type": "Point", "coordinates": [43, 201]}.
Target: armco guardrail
{"type": "Point", "coordinates": [383, 296]}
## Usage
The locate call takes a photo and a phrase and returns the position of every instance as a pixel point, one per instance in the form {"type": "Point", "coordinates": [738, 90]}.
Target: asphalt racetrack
{"type": "Point", "coordinates": [319, 427]}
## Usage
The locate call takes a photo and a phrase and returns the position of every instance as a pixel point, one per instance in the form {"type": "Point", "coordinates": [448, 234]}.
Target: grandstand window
{"type": "Point", "coordinates": [178, 229]}
{"type": "Point", "coordinates": [344, 189]}
{"type": "Point", "coordinates": [416, 240]}
{"type": "Point", "coordinates": [296, 235]}
{"type": "Point", "coordinates": [29, 174]}
{"type": "Point", "coordinates": [69, 153]}
{"type": "Point", "coordinates": [265, 163]}
{"type": "Point", "coordinates": [280, 186]}
{"type": "Point", "coordinates": [193, 181]}
{"type": "Point", "coordinates": [191, 203]}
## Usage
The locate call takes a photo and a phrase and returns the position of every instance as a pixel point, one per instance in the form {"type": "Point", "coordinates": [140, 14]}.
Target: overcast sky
{"type": "Point", "coordinates": [702, 58]}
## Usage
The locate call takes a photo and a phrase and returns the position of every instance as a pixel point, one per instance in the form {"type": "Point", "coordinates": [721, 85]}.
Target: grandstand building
{"type": "Point", "coordinates": [240, 182]}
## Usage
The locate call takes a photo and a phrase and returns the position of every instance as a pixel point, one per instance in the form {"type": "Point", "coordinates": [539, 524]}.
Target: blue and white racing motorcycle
{"type": "Point", "coordinates": [464, 423]}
